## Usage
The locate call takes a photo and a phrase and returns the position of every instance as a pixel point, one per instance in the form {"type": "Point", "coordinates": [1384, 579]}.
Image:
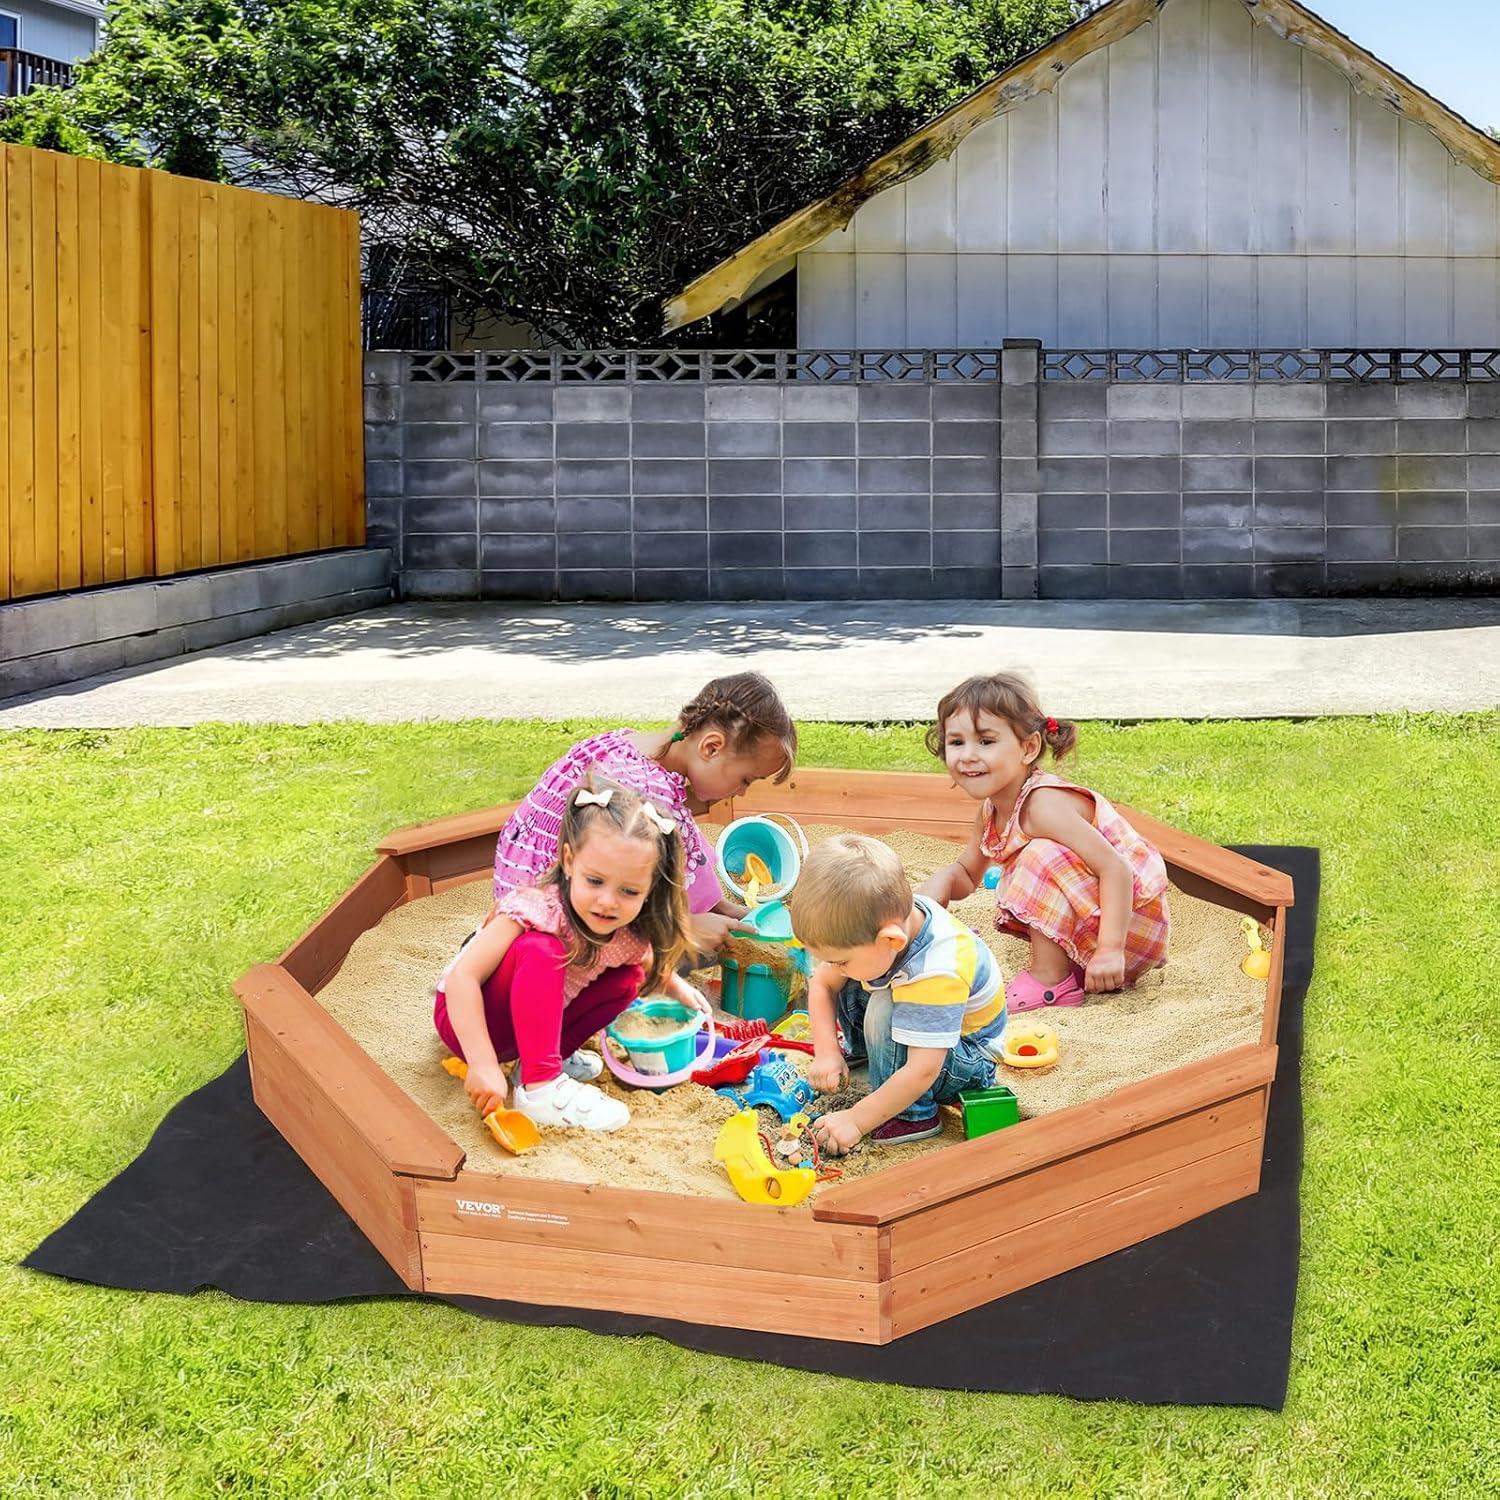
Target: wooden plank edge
{"type": "Point", "coordinates": [723, 1231]}
{"type": "Point", "coordinates": [942, 1289]}
{"type": "Point", "coordinates": [1271, 1014]}
{"type": "Point", "coordinates": [1101, 1172]}
{"type": "Point", "coordinates": [273, 1071]}
{"type": "Point", "coordinates": [405, 1138]}
{"type": "Point", "coordinates": [783, 1302]}
{"type": "Point", "coordinates": [418, 836]}
{"type": "Point", "coordinates": [898, 1192]}
{"type": "Point", "coordinates": [1246, 876]}
{"type": "Point", "coordinates": [320, 952]}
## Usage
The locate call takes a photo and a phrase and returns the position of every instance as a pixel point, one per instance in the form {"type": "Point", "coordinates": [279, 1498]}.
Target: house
{"type": "Point", "coordinates": [40, 40]}
{"type": "Point", "coordinates": [1165, 174]}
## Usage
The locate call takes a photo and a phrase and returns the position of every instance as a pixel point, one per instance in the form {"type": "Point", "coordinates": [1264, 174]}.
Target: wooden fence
{"type": "Point", "coordinates": [183, 383]}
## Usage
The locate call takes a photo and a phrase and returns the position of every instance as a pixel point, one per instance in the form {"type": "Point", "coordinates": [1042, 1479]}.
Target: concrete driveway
{"type": "Point", "coordinates": [842, 660]}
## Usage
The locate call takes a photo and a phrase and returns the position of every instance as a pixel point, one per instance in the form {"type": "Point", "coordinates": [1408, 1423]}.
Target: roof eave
{"type": "Point", "coordinates": [726, 283]}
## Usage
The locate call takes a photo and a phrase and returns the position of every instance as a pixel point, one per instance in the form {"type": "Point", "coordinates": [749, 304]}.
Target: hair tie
{"type": "Point", "coordinates": [1051, 726]}
{"type": "Point", "coordinates": [583, 797]}
{"type": "Point", "coordinates": [678, 736]}
{"type": "Point", "coordinates": [664, 825]}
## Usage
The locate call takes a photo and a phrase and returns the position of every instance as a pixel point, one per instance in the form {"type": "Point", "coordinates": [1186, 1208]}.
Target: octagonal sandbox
{"type": "Point", "coordinates": [865, 1261]}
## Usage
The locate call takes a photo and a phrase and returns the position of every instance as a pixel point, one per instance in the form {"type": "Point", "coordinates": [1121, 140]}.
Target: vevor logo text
{"type": "Point", "coordinates": [476, 1206]}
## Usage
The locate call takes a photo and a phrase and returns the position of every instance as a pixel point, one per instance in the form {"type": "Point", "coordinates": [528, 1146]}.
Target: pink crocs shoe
{"type": "Point", "coordinates": [1025, 993]}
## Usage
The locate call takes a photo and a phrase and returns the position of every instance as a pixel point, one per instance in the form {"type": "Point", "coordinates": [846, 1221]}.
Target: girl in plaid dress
{"type": "Point", "coordinates": [1076, 880]}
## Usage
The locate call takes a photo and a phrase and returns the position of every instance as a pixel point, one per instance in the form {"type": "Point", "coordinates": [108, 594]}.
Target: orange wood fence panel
{"type": "Point", "coordinates": [182, 375]}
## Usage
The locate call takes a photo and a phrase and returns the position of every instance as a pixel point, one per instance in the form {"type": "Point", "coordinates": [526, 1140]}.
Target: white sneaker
{"type": "Point", "coordinates": [579, 1106]}
{"type": "Point", "coordinates": [583, 1067]}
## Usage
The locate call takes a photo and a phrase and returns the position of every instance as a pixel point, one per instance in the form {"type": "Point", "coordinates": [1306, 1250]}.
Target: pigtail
{"type": "Point", "coordinates": [1005, 696]}
{"type": "Point", "coordinates": [1060, 736]}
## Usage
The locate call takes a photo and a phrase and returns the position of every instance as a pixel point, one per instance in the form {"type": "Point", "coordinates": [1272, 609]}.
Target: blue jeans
{"type": "Point", "coordinates": [969, 1065]}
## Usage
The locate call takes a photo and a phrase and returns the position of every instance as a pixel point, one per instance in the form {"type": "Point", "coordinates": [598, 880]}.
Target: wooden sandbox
{"type": "Point", "coordinates": [873, 1259]}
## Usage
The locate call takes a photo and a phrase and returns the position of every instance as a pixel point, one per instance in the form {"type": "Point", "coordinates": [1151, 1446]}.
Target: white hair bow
{"type": "Point", "coordinates": [583, 797]}
{"type": "Point", "coordinates": [664, 825]}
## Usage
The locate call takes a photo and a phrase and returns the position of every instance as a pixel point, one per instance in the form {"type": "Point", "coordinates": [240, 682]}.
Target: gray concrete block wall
{"type": "Point", "coordinates": [1020, 487]}
{"type": "Point", "coordinates": [685, 490]}
{"type": "Point", "coordinates": [1246, 489]}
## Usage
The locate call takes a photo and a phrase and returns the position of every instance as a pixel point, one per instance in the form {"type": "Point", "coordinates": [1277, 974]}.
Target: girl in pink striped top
{"type": "Point", "coordinates": [736, 731]}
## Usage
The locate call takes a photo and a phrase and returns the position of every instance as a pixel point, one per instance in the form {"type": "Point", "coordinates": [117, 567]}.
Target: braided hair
{"type": "Point", "coordinates": [748, 710]}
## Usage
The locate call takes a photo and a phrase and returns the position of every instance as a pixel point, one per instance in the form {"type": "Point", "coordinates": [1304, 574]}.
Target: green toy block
{"type": "Point", "coordinates": [987, 1110]}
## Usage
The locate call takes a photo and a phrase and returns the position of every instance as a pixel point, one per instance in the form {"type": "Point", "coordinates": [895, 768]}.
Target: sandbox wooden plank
{"type": "Point", "coordinates": [355, 1089]}
{"type": "Point", "coordinates": [943, 1288]}
{"type": "Point", "coordinates": [1236, 872]}
{"type": "Point", "coordinates": [1271, 1016]}
{"type": "Point", "coordinates": [338, 1154]}
{"type": "Point", "coordinates": [666, 1287]}
{"type": "Point", "coordinates": [440, 831]}
{"type": "Point", "coordinates": [625, 1221]}
{"type": "Point", "coordinates": [1100, 1173]}
{"type": "Point", "coordinates": [452, 864]}
{"type": "Point", "coordinates": [897, 1192]}
{"type": "Point", "coordinates": [317, 956]}
{"type": "Point", "coordinates": [871, 801]}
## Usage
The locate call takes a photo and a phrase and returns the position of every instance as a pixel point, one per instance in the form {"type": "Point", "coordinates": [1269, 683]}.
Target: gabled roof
{"type": "Point", "coordinates": [728, 282]}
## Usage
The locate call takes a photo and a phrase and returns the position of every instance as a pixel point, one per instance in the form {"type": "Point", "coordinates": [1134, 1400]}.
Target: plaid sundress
{"type": "Point", "coordinates": [1045, 886]}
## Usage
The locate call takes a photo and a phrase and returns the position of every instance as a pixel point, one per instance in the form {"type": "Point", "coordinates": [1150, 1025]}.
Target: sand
{"type": "Point", "coordinates": [1198, 1005]}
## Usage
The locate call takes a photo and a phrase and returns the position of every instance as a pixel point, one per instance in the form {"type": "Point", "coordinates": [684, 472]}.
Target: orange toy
{"type": "Point", "coordinates": [512, 1130]}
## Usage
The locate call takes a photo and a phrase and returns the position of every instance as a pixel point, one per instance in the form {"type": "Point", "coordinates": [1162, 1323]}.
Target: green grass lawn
{"type": "Point", "coordinates": [145, 869]}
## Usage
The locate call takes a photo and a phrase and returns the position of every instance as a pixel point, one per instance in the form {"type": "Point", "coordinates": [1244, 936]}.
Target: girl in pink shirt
{"type": "Point", "coordinates": [557, 961]}
{"type": "Point", "coordinates": [736, 731]}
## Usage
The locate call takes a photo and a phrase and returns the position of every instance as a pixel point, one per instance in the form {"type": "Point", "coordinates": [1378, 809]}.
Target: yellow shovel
{"type": "Point", "coordinates": [758, 876]}
{"type": "Point", "coordinates": [512, 1130]}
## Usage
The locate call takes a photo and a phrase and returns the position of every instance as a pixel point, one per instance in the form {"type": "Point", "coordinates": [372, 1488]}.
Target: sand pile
{"type": "Point", "coordinates": [1199, 1005]}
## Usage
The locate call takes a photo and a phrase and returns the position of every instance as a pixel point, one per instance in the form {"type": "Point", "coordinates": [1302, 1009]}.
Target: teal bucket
{"type": "Point", "coordinates": [660, 1054]}
{"type": "Point", "coordinates": [781, 850]}
{"type": "Point", "coordinates": [753, 993]}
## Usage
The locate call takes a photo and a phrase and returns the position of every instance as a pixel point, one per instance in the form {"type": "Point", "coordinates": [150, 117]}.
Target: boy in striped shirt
{"type": "Point", "coordinates": [921, 992]}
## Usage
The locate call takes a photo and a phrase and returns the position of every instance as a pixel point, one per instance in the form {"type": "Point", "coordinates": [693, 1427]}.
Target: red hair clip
{"type": "Point", "coordinates": [1051, 726]}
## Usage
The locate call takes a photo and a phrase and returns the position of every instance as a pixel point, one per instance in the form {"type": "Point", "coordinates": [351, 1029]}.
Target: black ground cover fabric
{"type": "Point", "coordinates": [1200, 1315]}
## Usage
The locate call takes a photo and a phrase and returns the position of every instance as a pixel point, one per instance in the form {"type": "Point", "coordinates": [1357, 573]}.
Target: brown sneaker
{"type": "Point", "coordinates": [899, 1132]}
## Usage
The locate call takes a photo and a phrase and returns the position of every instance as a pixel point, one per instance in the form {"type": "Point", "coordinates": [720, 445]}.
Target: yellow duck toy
{"type": "Point", "coordinates": [1257, 962]}
{"type": "Point", "coordinates": [750, 1170]}
{"type": "Point", "coordinates": [1029, 1045]}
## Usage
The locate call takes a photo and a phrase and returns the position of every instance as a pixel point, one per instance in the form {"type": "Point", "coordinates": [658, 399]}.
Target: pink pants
{"type": "Point", "coordinates": [524, 1009]}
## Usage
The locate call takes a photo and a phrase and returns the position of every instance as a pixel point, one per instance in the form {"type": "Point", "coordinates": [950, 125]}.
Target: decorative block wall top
{"type": "Point", "coordinates": [824, 366]}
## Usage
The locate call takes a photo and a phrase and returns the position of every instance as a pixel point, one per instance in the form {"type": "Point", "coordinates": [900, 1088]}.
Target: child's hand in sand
{"type": "Point", "coordinates": [485, 1084]}
{"type": "Point", "coordinates": [1106, 970]}
{"type": "Point", "coordinates": [827, 1072]}
{"type": "Point", "coordinates": [836, 1133]}
{"type": "Point", "coordinates": [689, 994]}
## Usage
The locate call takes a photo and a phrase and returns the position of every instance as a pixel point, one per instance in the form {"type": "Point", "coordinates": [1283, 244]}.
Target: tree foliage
{"type": "Point", "coordinates": [562, 163]}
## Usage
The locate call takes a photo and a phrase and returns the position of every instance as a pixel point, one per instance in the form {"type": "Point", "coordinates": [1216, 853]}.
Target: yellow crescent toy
{"type": "Point", "coordinates": [750, 1170]}
{"type": "Point", "coordinates": [1257, 962]}
{"type": "Point", "coordinates": [1029, 1045]}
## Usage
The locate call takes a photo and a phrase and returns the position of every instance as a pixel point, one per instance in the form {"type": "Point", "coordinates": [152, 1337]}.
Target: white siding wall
{"type": "Point", "coordinates": [53, 30]}
{"type": "Point", "coordinates": [1200, 183]}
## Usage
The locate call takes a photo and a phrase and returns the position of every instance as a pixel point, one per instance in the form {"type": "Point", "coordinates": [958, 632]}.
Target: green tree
{"type": "Point", "coordinates": [562, 163]}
